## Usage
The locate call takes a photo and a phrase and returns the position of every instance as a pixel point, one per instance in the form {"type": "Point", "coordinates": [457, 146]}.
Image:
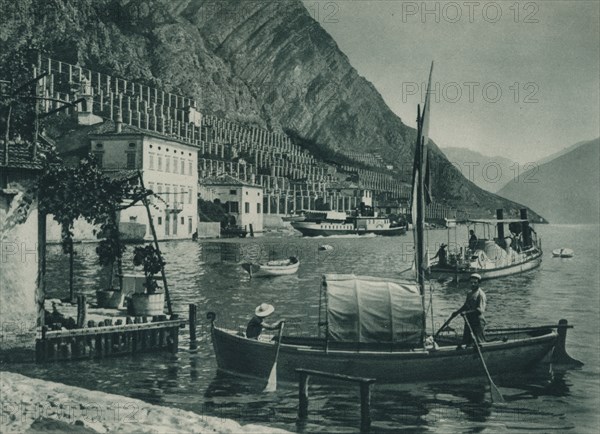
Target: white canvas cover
{"type": "Point", "coordinates": [368, 309]}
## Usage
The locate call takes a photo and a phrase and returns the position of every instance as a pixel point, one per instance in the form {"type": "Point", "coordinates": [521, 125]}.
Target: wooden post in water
{"type": "Point", "coordinates": [303, 396]}
{"type": "Point", "coordinates": [193, 318]}
{"type": "Point", "coordinates": [81, 311]}
{"type": "Point", "coordinates": [155, 238]}
{"type": "Point", "coordinates": [365, 406]}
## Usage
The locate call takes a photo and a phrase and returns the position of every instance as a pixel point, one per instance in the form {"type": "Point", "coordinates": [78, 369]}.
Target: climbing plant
{"type": "Point", "coordinates": [69, 193]}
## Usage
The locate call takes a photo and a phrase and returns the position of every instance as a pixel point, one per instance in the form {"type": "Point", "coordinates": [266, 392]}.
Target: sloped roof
{"type": "Point", "coordinates": [226, 179]}
{"type": "Point", "coordinates": [20, 156]}
{"type": "Point", "coordinates": [108, 128]}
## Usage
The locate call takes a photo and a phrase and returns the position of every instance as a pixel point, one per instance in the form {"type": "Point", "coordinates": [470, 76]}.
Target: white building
{"type": "Point", "coordinates": [242, 200]}
{"type": "Point", "coordinates": [169, 167]}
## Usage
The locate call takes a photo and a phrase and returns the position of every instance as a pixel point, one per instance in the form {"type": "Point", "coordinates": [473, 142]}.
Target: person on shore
{"type": "Point", "coordinates": [442, 255]}
{"type": "Point", "coordinates": [473, 309]}
{"type": "Point", "coordinates": [256, 324]}
{"type": "Point", "coordinates": [472, 240]}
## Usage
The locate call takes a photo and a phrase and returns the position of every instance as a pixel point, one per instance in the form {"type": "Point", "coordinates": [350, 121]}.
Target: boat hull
{"type": "Point", "coordinates": [486, 274]}
{"type": "Point", "coordinates": [246, 357]}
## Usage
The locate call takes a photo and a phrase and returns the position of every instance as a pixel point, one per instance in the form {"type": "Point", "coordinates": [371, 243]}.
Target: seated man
{"type": "Point", "coordinates": [256, 324]}
{"type": "Point", "coordinates": [442, 255]}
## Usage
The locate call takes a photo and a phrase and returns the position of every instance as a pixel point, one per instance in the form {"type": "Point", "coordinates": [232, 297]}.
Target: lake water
{"type": "Point", "coordinates": [207, 274]}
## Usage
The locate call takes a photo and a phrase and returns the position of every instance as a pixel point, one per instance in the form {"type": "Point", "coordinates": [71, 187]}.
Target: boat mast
{"type": "Point", "coordinates": [418, 202]}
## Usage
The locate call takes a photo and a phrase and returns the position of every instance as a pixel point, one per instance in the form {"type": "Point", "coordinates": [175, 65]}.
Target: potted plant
{"type": "Point", "coordinates": [108, 252]}
{"type": "Point", "coordinates": [152, 301]}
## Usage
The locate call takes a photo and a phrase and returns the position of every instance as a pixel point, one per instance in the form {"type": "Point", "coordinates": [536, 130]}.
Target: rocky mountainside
{"type": "Point", "coordinates": [261, 62]}
{"type": "Point", "coordinates": [565, 189]}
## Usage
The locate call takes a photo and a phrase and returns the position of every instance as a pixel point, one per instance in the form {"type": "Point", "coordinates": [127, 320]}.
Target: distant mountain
{"type": "Point", "coordinates": [489, 173]}
{"type": "Point", "coordinates": [564, 189]}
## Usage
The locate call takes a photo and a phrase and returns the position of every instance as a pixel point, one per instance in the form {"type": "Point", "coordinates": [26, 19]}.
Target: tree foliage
{"type": "Point", "coordinates": [84, 191]}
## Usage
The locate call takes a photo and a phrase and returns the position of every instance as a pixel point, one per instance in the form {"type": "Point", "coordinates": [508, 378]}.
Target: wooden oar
{"type": "Point", "coordinates": [272, 382]}
{"type": "Point", "coordinates": [494, 391]}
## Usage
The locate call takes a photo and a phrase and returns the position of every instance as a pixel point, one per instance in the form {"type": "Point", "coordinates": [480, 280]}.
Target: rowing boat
{"type": "Point", "coordinates": [282, 267]}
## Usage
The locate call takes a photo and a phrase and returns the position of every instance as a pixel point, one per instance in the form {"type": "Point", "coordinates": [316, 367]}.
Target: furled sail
{"type": "Point", "coordinates": [367, 309]}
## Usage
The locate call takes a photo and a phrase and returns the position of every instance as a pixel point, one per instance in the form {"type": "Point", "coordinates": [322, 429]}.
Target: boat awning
{"type": "Point", "coordinates": [368, 309]}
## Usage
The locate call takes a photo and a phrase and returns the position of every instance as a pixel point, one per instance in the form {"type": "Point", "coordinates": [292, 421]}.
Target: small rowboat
{"type": "Point", "coordinates": [562, 253]}
{"type": "Point", "coordinates": [281, 267]}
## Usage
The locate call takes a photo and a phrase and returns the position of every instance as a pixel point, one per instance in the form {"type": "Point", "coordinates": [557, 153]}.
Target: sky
{"type": "Point", "coordinates": [519, 79]}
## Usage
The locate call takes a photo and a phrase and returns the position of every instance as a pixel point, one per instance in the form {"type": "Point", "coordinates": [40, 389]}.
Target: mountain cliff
{"type": "Point", "coordinates": [565, 189]}
{"type": "Point", "coordinates": [260, 62]}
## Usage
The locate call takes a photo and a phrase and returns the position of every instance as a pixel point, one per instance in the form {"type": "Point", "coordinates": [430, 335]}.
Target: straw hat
{"type": "Point", "coordinates": [264, 310]}
{"type": "Point", "coordinates": [476, 276]}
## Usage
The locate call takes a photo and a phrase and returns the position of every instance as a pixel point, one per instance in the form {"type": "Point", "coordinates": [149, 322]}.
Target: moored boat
{"type": "Point", "coordinates": [499, 256]}
{"type": "Point", "coordinates": [282, 267]}
{"type": "Point", "coordinates": [562, 253]}
{"type": "Point", "coordinates": [350, 225]}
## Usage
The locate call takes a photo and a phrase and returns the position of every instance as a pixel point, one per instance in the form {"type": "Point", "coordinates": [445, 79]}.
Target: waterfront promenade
{"type": "Point", "coordinates": [33, 405]}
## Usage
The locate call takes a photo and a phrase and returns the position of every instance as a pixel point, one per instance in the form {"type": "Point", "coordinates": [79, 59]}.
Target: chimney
{"type": "Point", "coordinates": [119, 123]}
{"type": "Point", "coordinates": [500, 225]}
{"type": "Point", "coordinates": [525, 227]}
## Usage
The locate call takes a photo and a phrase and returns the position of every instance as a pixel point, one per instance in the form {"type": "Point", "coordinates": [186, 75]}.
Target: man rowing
{"type": "Point", "coordinates": [473, 311]}
{"type": "Point", "coordinates": [256, 324]}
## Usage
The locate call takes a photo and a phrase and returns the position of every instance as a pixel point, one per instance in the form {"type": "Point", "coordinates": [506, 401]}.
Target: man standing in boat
{"type": "Point", "coordinates": [473, 309]}
{"type": "Point", "coordinates": [256, 324]}
{"type": "Point", "coordinates": [472, 240]}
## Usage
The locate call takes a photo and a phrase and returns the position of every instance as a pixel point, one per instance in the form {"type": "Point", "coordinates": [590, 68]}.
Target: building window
{"type": "Point", "coordinates": [160, 163]}
{"type": "Point", "coordinates": [132, 145]}
{"type": "Point", "coordinates": [133, 218]}
{"type": "Point", "coordinates": [168, 164]}
{"type": "Point", "coordinates": [189, 225]}
{"type": "Point", "coordinates": [233, 192]}
{"type": "Point", "coordinates": [160, 221]}
{"type": "Point", "coordinates": [168, 194]}
{"type": "Point", "coordinates": [175, 164]}
{"type": "Point", "coordinates": [189, 195]}
{"type": "Point", "coordinates": [247, 207]}
{"type": "Point", "coordinates": [182, 195]}
{"type": "Point", "coordinates": [183, 167]}
{"type": "Point", "coordinates": [131, 160]}
{"type": "Point", "coordinates": [234, 207]}
{"type": "Point", "coordinates": [182, 220]}
{"type": "Point", "coordinates": [258, 208]}
{"type": "Point", "coordinates": [151, 161]}
{"type": "Point", "coordinates": [190, 167]}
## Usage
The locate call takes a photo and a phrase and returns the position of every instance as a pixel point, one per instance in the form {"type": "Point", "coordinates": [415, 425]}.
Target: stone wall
{"type": "Point", "coordinates": [18, 269]}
